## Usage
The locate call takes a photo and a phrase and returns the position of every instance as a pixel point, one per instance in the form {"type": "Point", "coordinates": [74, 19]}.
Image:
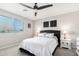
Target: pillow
{"type": "Point", "coordinates": [55, 38]}
{"type": "Point", "coordinates": [49, 35]}
{"type": "Point", "coordinates": [41, 34]}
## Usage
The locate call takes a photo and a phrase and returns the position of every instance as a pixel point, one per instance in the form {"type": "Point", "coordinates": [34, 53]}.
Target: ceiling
{"type": "Point", "coordinates": [56, 9]}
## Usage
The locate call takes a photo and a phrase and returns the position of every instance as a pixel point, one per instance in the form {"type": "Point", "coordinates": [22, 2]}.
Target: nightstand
{"type": "Point", "coordinates": [77, 46]}
{"type": "Point", "coordinates": [77, 51]}
{"type": "Point", "coordinates": [66, 43]}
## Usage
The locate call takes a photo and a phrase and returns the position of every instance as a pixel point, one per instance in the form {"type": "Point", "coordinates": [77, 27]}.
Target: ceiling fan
{"type": "Point", "coordinates": [35, 7]}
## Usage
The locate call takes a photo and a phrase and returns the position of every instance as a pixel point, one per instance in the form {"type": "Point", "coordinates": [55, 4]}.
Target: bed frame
{"type": "Point", "coordinates": [56, 33]}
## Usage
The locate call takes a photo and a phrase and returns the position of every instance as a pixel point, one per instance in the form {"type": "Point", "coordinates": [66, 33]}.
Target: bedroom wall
{"type": "Point", "coordinates": [68, 23]}
{"type": "Point", "coordinates": [10, 39]}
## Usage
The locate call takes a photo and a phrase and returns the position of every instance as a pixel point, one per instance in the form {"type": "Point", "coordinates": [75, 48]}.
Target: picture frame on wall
{"type": "Point", "coordinates": [29, 25]}
{"type": "Point", "coordinates": [53, 23]}
{"type": "Point", "coordinates": [46, 24]}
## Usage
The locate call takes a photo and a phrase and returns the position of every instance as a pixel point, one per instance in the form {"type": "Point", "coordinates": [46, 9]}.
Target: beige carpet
{"type": "Point", "coordinates": [65, 52]}
{"type": "Point", "coordinates": [14, 51]}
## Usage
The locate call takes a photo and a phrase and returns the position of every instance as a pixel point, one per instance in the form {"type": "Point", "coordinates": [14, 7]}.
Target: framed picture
{"type": "Point", "coordinates": [46, 24]}
{"type": "Point", "coordinates": [29, 25]}
{"type": "Point", "coordinates": [53, 23]}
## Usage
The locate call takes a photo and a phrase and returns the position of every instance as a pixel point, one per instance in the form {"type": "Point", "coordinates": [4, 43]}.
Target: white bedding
{"type": "Point", "coordinates": [40, 46]}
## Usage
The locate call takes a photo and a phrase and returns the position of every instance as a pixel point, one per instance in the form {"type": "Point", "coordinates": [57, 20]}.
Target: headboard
{"type": "Point", "coordinates": [56, 33]}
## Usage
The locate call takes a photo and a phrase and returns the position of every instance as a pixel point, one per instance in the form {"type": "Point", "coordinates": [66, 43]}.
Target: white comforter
{"type": "Point", "coordinates": [40, 46]}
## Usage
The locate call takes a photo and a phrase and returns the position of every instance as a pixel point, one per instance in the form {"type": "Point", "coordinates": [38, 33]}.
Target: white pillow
{"type": "Point", "coordinates": [41, 34]}
{"type": "Point", "coordinates": [49, 35]}
{"type": "Point", "coordinates": [55, 38]}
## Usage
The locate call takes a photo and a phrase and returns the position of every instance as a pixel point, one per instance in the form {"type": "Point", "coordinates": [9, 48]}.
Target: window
{"type": "Point", "coordinates": [8, 24]}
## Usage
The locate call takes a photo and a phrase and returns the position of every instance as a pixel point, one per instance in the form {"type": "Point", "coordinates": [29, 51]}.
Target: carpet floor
{"type": "Point", "coordinates": [65, 52]}
{"type": "Point", "coordinates": [14, 51]}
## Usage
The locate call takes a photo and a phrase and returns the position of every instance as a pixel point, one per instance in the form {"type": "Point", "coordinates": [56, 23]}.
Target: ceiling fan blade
{"type": "Point", "coordinates": [26, 5]}
{"type": "Point", "coordinates": [42, 7]}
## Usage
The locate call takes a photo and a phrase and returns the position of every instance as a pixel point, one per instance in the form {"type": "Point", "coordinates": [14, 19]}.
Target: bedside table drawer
{"type": "Point", "coordinates": [66, 44]}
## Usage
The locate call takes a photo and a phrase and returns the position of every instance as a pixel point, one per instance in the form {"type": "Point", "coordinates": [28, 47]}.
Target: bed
{"type": "Point", "coordinates": [41, 46]}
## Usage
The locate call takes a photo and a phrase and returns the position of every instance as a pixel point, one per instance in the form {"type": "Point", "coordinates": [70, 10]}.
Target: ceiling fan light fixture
{"type": "Point", "coordinates": [35, 13]}
{"type": "Point", "coordinates": [35, 6]}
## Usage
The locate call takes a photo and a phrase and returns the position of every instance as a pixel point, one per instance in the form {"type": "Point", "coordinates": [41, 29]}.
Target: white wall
{"type": "Point", "coordinates": [66, 22]}
{"type": "Point", "coordinates": [7, 39]}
